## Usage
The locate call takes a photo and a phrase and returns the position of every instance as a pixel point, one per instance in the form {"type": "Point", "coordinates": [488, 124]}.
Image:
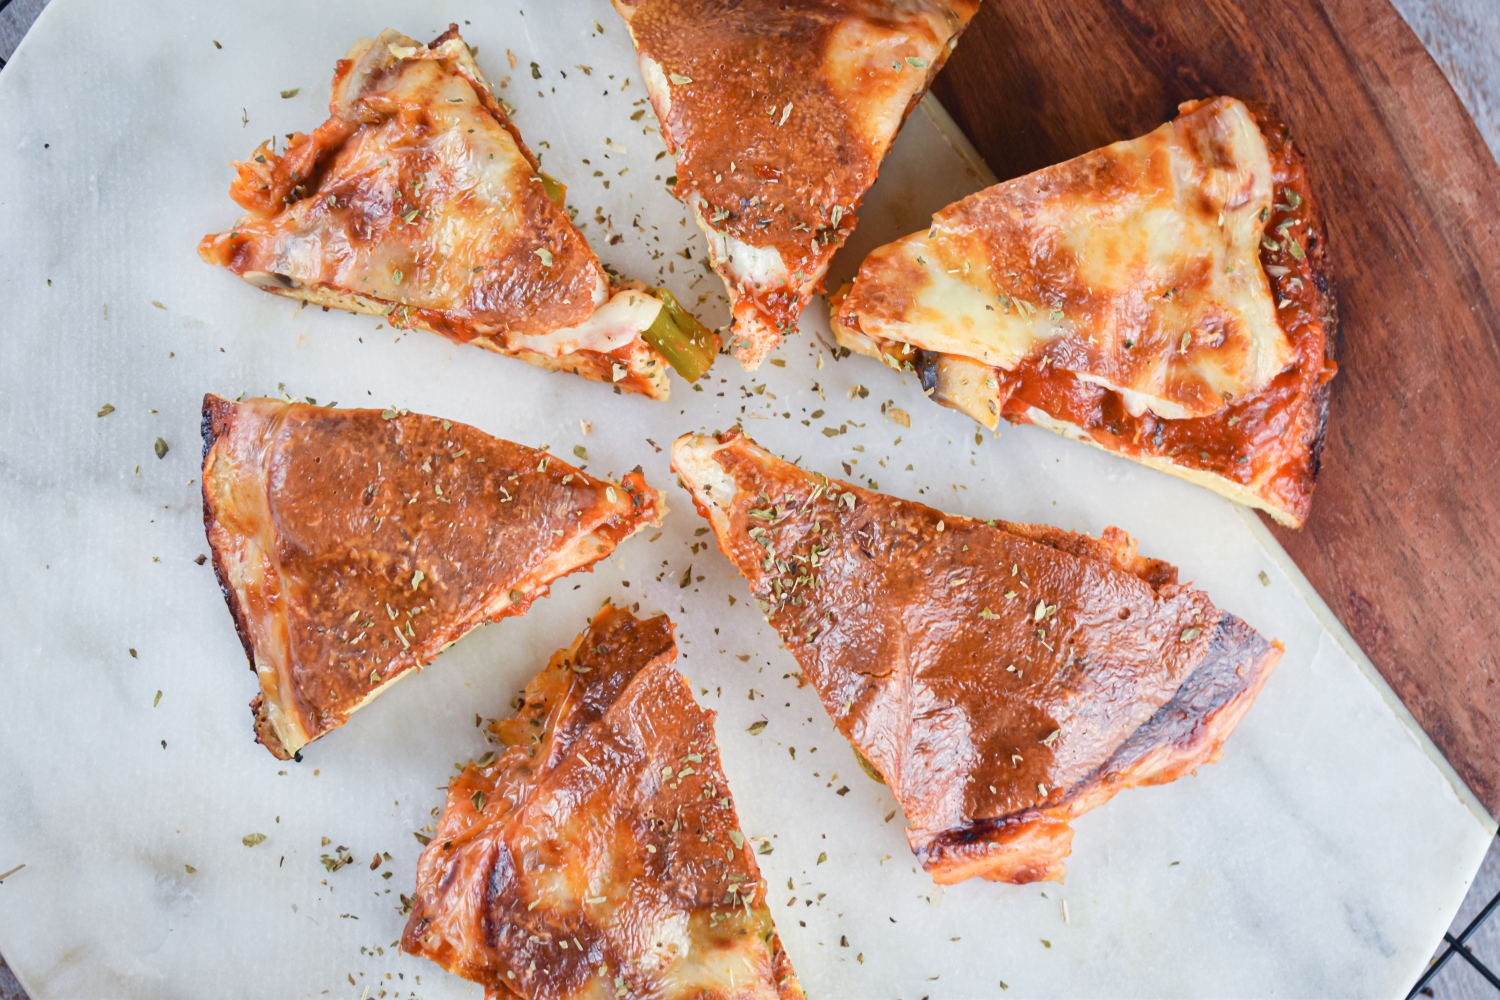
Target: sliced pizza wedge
{"type": "Point", "coordinates": [1165, 298]}
{"type": "Point", "coordinates": [1001, 678]}
{"type": "Point", "coordinates": [778, 115]}
{"type": "Point", "coordinates": [354, 545]}
{"type": "Point", "coordinates": [599, 853]}
{"type": "Point", "coordinates": [418, 201]}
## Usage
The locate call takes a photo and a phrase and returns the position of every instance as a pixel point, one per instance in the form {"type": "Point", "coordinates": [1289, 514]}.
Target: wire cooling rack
{"type": "Point", "coordinates": [3, 4]}
{"type": "Point", "coordinates": [1459, 946]}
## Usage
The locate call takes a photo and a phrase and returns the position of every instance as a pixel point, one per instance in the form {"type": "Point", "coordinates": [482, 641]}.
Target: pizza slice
{"type": "Point", "coordinates": [354, 545]}
{"type": "Point", "coordinates": [778, 115]}
{"type": "Point", "coordinates": [1001, 678]}
{"type": "Point", "coordinates": [599, 853]}
{"type": "Point", "coordinates": [1166, 299]}
{"type": "Point", "coordinates": [417, 201]}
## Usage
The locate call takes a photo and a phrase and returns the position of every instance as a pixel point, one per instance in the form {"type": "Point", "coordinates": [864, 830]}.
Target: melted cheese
{"type": "Point", "coordinates": [740, 264]}
{"type": "Point", "coordinates": [559, 852]}
{"type": "Point", "coordinates": [871, 64]}
{"type": "Point", "coordinates": [472, 180]}
{"type": "Point", "coordinates": [417, 200]}
{"type": "Point", "coordinates": [1135, 266]}
{"type": "Point", "coordinates": [779, 115]}
{"type": "Point", "coordinates": [612, 326]}
{"type": "Point", "coordinates": [1239, 493]}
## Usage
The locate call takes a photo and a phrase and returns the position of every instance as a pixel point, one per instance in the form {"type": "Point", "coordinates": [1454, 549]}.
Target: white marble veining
{"type": "Point", "coordinates": [1321, 856]}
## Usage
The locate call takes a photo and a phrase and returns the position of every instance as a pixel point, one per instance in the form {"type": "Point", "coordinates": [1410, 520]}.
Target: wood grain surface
{"type": "Point", "coordinates": [1404, 538]}
{"type": "Point", "coordinates": [1464, 39]}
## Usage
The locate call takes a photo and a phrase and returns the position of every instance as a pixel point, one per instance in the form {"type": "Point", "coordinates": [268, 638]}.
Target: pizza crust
{"type": "Point", "coordinates": [450, 228]}
{"type": "Point", "coordinates": [326, 525]}
{"type": "Point", "coordinates": [1254, 431]}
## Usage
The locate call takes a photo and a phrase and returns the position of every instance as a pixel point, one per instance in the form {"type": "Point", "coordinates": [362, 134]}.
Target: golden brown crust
{"type": "Point", "coordinates": [417, 201]}
{"type": "Point", "coordinates": [779, 115]}
{"type": "Point", "coordinates": [990, 673]}
{"type": "Point", "coordinates": [603, 826]}
{"type": "Point", "coordinates": [1316, 308]}
{"type": "Point", "coordinates": [1263, 449]}
{"type": "Point", "coordinates": [218, 415]}
{"type": "Point", "coordinates": [354, 545]}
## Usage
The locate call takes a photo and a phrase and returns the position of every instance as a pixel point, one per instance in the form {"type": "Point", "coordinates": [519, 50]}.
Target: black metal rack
{"type": "Point", "coordinates": [3, 4]}
{"type": "Point", "coordinates": [1458, 946]}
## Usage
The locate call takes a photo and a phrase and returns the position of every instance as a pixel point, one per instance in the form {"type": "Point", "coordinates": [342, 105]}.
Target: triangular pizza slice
{"type": "Point", "coordinates": [1165, 298]}
{"type": "Point", "coordinates": [1001, 678]}
{"type": "Point", "coordinates": [417, 201]}
{"type": "Point", "coordinates": [354, 545]}
{"type": "Point", "coordinates": [599, 853]}
{"type": "Point", "coordinates": [778, 115]}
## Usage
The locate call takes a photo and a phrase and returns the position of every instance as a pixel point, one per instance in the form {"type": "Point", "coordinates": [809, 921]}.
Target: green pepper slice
{"type": "Point", "coordinates": [556, 189]}
{"type": "Point", "coordinates": [686, 344]}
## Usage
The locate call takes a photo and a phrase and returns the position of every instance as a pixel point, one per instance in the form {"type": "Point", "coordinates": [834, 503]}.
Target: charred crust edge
{"type": "Point", "coordinates": [1249, 655]}
{"type": "Point", "coordinates": [265, 733]}
{"type": "Point", "coordinates": [218, 421]}
{"type": "Point", "coordinates": [1275, 127]}
{"type": "Point", "coordinates": [452, 32]}
{"type": "Point", "coordinates": [1236, 658]}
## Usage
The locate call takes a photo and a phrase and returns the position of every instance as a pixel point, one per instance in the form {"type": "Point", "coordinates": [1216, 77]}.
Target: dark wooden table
{"type": "Point", "coordinates": [1404, 538]}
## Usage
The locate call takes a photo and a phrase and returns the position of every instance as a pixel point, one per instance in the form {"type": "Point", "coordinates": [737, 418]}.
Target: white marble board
{"type": "Point", "coordinates": [1323, 855]}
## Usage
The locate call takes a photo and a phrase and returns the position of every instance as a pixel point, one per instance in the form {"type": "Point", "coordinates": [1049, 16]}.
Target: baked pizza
{"type": "Point", "coordinates": [598, 854]}
{"type": "Point", "coordinates": [1165, 298]}
{"type": "Point", "coordinates": [778, 115]}
{"type": "Point", "coordinates": [354, 545]}
{"type": "Point", "coordinates": [418, 201]}
{"type": "Point", "coordinates": [1001, 678]}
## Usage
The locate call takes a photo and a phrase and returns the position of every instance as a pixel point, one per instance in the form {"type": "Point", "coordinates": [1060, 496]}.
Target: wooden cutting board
{"type": "Point", "coordinates": [1404, 538]}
